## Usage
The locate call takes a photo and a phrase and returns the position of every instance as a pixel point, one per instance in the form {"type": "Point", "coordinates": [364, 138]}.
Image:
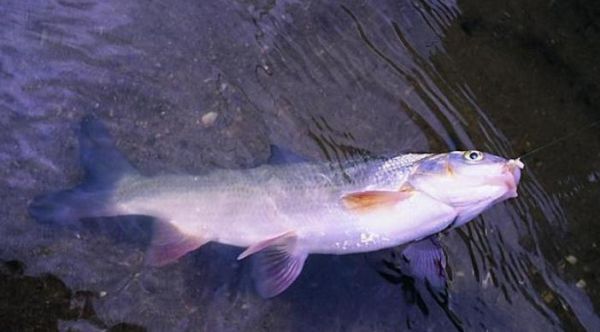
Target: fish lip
{"type": "Point", "coordinates": [512, 189]}
{"type": "Point", "coordinates": [516, 163]}
{"type": "Point", "coordinates": [512, 170]}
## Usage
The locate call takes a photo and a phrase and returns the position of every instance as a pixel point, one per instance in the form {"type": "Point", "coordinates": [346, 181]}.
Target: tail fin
{"type": "Point", "coordinates": [104, 165]}
{"type": "Point", "coordinates": [64, 207]}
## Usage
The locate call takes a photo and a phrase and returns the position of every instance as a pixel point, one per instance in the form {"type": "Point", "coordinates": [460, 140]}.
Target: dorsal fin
{"type": "Point", "coordinates": [281, 155]}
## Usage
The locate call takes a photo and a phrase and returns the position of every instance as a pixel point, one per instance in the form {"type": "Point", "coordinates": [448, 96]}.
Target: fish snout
{"type": "Point", "coordinates": [512, 171]}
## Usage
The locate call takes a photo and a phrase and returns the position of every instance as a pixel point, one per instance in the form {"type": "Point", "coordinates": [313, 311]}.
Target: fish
{"type": "Point", "coordinates": [281, 212]}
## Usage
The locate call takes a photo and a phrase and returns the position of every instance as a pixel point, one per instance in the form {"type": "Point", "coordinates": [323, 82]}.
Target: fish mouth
{"type": "Point", "coordinates": [512, 176]}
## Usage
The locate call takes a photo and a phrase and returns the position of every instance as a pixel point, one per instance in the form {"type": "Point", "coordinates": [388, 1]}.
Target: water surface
{"type": "Point", "coordinates": [329, 81]}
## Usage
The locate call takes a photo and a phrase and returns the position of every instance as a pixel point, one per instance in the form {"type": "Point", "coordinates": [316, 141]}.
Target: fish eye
{"type": "Point", "coordinates": [473, 155]}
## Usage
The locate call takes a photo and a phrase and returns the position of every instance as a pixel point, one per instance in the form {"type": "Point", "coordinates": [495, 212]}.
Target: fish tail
{"type": "Point", "coordinates": [104, 166]}
{"type": "Point", "coordinates": [65, 207]}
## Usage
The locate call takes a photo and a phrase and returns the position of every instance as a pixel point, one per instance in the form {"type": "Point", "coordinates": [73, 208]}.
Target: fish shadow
{"type": "Point", "coordinates": [331, 293]}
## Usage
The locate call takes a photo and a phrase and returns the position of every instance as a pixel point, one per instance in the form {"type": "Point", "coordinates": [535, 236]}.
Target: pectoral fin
{"type": "Point", "coordinates": [169, 244]}
{"type": "Point", "coordinates": [365, 201]}
{"type": "Point", "coordinates": [277, 263]}
{"type": "Point", "coordinates": [422, 260]}
{"type": "Point", "coordinates": [427, 261]}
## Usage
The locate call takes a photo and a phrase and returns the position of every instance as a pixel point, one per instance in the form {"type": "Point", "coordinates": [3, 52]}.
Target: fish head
{"type": "Point", "coordinates": [469, 181]}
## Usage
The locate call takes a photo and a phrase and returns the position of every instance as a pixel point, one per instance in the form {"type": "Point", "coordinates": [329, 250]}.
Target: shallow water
{"type": "Point", "coordinates": [328, 81]}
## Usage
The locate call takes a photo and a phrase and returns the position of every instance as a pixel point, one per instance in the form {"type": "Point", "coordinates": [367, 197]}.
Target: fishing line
{"type": "Point", "coordinates": [560, 139]}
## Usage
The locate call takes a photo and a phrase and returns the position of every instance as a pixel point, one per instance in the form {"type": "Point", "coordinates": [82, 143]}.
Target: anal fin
{"type": "Point", "coordinates": [169, 244]}
{"type": "Point", "coordinates": [277, 263]}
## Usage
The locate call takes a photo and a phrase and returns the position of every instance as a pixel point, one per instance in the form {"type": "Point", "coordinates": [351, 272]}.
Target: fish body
{"type": "Point", "coordinates": [282, 213]}
{"type": "Point", "coordinates": [244, 207]}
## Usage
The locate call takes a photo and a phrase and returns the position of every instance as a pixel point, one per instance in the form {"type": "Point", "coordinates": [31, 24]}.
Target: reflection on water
{"type": "Point", "coordinates": [191, 86]}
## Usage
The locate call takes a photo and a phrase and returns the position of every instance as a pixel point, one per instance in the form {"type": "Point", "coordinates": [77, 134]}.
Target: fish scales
{"type": "Point", "coordinates": [269, 199]}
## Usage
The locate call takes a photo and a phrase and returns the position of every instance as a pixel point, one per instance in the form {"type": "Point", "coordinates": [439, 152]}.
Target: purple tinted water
{"type": "Point", "coordinates": [190, 86]}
